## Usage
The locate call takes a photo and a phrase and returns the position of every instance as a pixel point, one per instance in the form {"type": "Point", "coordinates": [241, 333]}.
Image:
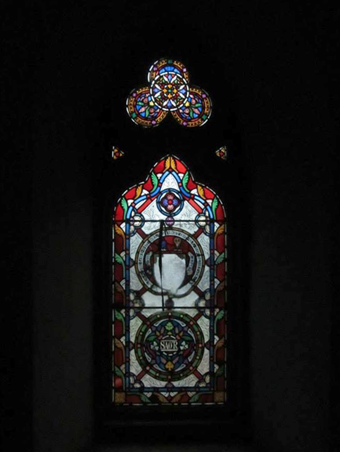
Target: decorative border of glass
{"type": "Point", "coordinates": [169, 91]}
{"type": "Point", "coordinates": [169, 291]}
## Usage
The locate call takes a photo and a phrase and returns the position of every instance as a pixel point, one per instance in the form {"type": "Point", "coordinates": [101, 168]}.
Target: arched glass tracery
{"type": "Point", "coordinates": [169, 291]}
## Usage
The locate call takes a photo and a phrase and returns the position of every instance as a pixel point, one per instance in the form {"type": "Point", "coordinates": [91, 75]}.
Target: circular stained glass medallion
{"type": "Point", "coordinates": [169, 345]}
{"type": "Point", "coordinates": [182, 263]}
{"type": "Point", "coordinates": [169, 91]}
{"type": "Point", "coordinates": [196, 110]}
{"type": "Point", "coordinates": [170, 202]}
{"type": "Point", "coordinates": [142, 108]}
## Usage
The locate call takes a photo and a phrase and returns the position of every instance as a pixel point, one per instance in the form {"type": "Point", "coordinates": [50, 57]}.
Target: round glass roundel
{"type": "Point", "coordinates": [169, 91]}
{"type": "Point", "coordinates": [182, 263]}
{"type": "Point", "coordinates": [170, 202]}
{"type": "Point", "coordinates": [169, 346]}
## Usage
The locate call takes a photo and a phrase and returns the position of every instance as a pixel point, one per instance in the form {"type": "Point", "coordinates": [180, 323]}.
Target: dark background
{"type": "Point", "coordinates": [272, 72]}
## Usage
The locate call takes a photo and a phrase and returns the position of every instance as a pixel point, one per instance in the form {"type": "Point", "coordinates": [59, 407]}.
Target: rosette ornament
{"type": "Point", "coordinates": [169, 92]}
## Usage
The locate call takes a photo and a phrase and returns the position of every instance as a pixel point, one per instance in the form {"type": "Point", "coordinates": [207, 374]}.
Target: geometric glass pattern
{"type": "Point", "coordinates": [222, 153]}
{"type": "Point", "coordinates": [116, 153]}
{"type": "Point", "coordinates": [169, 92]}
{"type": "Point", "coordinates": [169, 291]}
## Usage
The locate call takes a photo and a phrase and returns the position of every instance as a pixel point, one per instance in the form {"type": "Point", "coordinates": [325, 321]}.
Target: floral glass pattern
{"type": "Point", "coordinates": [169, 291]}
{"type": "Point", "coordinates": [169, 92]}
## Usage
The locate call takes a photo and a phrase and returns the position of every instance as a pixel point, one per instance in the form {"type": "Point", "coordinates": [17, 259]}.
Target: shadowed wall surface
{"type": "Point", "coordinates": [274, 66]}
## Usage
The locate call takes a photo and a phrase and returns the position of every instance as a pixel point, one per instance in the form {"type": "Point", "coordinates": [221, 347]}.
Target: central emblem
{"type": "Point", "coordinates": [169, 345]}
{"type": "Point", "coordinates": [181, 267]}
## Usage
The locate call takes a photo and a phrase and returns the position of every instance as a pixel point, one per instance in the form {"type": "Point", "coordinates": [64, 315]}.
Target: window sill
{"type": "Point", "coordinates": [185, 447]}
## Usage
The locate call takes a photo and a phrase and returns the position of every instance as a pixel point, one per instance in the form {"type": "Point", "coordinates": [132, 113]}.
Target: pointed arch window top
{"type": "Point", "coordinates": [169, 92]}
{"type": "Point", "coordinates": [172, 186]}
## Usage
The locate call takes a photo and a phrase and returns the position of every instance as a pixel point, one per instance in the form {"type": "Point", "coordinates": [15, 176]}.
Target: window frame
{"type": "Point", "coordinates": [205, 203]}
{"type": "Point", "coordinates": [110, 418]}
{"type": "Point", "coordinates": [230, 180]}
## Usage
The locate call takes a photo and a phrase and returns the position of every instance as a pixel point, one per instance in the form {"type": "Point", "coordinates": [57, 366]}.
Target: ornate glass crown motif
{"type": "Point", "coordinates": [169, 91]}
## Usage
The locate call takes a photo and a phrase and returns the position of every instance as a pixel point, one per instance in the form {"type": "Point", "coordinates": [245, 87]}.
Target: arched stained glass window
{"type": "Point", "coordinates": [169, 291]}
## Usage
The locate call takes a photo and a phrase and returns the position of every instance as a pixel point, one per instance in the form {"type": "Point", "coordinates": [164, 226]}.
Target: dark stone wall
{"type": "Point", "coordinates": [69, 70]}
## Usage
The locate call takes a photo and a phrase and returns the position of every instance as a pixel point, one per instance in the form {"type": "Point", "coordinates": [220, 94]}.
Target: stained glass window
{"type": "Point", "coordinates": [169, 91]}
{"type": "Point", "coordinates": [169, 291]}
